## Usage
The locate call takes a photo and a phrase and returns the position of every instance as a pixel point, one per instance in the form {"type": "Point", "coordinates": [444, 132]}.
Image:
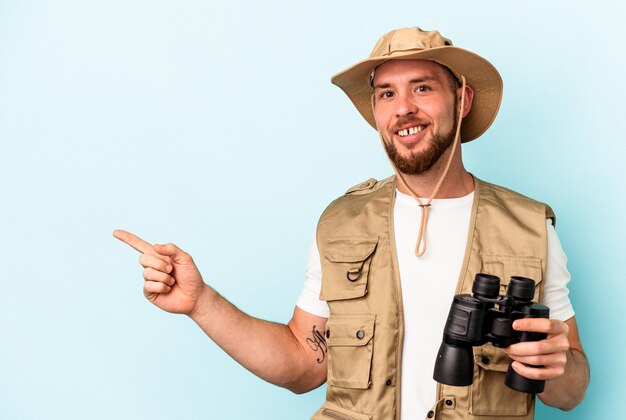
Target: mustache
{"type": "Point", "coordinates": [404, 121]}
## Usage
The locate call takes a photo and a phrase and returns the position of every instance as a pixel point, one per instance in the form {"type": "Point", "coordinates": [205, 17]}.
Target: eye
{"type": "Point", "coordinates": [385, 94]}
{"type": "Point", "coordinates": [422, 88]}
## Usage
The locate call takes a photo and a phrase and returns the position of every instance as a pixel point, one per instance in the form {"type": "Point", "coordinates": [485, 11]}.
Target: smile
{"type": "Point", "coordinates": [409, 131]}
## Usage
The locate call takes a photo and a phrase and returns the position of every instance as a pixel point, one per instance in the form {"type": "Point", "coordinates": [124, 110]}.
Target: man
{"type": "Point", "coordinates": [378, 286]}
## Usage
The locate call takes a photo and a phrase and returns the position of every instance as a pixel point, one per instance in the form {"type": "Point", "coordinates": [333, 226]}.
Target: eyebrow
{"type": "Point", "coordinates": [412, 81]}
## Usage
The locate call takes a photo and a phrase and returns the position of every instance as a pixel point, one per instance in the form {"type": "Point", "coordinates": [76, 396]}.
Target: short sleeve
{"type": "Point", "coordinates": [309, 299]}
{"type": "Point", "coordinates": [555, 290]}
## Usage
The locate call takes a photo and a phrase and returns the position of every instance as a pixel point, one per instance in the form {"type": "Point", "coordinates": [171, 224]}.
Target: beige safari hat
{"type": "Point", "coordinates": [414, 43]}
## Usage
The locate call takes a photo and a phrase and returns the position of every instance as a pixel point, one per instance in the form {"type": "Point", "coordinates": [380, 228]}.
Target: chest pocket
{"type": "Point", "coordinates": [346, 268]}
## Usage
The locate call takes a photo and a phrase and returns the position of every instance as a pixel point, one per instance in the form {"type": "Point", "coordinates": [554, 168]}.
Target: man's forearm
{"type": "Point", "coordinates": [270, 350]}
{"type": "Point", "coordinates": [568, 390]}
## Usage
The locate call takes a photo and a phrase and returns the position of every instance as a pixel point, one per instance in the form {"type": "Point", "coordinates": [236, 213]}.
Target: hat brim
{"type": "Point", "coordinates": [480, 75]}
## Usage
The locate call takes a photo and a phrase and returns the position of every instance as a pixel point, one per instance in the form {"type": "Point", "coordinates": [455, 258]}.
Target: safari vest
{"type": "Point", "coordinates": [361, 283]}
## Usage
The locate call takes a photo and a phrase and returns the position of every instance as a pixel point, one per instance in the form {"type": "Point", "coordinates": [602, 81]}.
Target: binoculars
{"type": "Point", "coordinates": [484, 317]}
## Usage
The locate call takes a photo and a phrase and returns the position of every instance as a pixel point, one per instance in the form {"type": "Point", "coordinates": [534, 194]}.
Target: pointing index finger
{"type": "Point", "coordinates": [134, 241]}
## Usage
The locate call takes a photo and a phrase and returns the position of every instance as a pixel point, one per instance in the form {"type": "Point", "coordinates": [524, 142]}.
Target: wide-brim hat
{"type": "Point", "coordinates": [414, 43]}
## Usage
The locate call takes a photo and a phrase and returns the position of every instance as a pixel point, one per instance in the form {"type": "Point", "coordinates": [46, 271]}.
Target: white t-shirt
{"type": "Point", "coordinates": [428, 284]}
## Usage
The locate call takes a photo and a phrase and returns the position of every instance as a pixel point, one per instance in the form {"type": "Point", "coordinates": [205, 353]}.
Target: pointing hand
{"type": "Point", "coordinates": [172, 280]}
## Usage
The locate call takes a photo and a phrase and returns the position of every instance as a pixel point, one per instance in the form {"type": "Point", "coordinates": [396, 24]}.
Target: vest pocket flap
{"type": "Point", "coordinates": [491, 358]}
{"type": "Point", "coordinates": [350, 330]}
{"type": "Point", "coordinates": [350, 250]}
{"type": "Point", "coordinates": [330, 411]}
{"type": "Point", "coordinates": [345, 268]}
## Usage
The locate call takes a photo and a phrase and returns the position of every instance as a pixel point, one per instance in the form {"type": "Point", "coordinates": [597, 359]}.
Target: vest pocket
{"type": "Point", "coordinates": [330, 411]}
{"type": "Point", "coordinates": [346, 266]}
{"type": "Point", "coordinates": [488, 394]}
{"type": "Point", "coordinates": [350, 350]}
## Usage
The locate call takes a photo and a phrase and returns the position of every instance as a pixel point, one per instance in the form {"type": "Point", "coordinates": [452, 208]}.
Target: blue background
{"type": "Point", "coordinates": [213, 125]}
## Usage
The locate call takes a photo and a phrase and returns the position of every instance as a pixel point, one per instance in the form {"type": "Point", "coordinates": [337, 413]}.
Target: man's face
{"type": "Point", "coordinates": [415, 108]}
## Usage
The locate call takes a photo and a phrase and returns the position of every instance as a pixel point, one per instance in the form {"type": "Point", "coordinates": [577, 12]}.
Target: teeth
{"type": "Point", "coordinates": [409, 131]}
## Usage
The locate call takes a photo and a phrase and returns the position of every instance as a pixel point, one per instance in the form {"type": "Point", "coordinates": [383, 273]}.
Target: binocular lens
{"type": "Point", "coordinates": [486, 286]}
{"type": "Point", "coordinates": [521, 288]}
{"type": "Point", "coordinates": [454, 365]}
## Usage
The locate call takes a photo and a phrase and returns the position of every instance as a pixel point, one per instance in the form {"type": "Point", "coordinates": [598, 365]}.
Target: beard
{"type": "Point", "coordinates": [418, 163]}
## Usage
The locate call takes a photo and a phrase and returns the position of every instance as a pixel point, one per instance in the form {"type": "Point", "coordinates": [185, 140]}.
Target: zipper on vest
{"type": "Point", "coordinates": [336, 415]}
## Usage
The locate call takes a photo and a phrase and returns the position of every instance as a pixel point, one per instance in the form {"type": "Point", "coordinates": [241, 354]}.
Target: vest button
{"type": "Point", "coordinates": [360, 334]}
{"type": "Point", "coordinates": [485, 360]}
{"type": "Point", "coordinates": [448, 403]}
{"type": "Point", "coordinates": [388, 383]}
{"type": "Point", "coordinates": [430, 414]}
{"type": "Point", "coordinates": [327, 333]}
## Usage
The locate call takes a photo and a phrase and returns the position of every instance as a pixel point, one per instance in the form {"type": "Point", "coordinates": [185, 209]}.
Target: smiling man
{"type": "Point", "coordinates": [389, 255]}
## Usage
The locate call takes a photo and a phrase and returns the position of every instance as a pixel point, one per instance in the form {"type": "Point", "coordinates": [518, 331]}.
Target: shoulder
{"type": "Point", "coordinates": [507, 198]}
{"type": "Point", "coordinates": [366, 191]}
{"type": "Point", "coordinates": [369, 186]}
{"type": "Point", "coordinates": [357, 199]}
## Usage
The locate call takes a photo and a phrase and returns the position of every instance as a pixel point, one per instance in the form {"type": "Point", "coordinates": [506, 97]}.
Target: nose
{"type": "Point", "coordinates": [405, 106]}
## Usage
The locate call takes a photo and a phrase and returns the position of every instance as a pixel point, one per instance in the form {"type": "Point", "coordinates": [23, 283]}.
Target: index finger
{"type": "Point", "coordinates": [134, 241]}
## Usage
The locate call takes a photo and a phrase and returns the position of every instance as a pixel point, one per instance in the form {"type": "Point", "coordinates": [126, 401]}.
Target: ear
{"type": "Point", "coordinates": [469, 98]}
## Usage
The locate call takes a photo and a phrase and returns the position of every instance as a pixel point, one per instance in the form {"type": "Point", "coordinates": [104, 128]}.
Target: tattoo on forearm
{"type": "Point", "coordinates": [318, 343]}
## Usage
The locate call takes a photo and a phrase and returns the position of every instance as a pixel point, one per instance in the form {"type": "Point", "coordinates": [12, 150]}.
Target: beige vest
{"type": "Point", "coordinates": [361, 283]}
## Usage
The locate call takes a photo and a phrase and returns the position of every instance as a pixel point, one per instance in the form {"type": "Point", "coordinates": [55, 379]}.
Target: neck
{"type": "Point", "coordinates": [457, 183]}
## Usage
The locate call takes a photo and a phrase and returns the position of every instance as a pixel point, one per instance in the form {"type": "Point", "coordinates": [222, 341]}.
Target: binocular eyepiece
{"type": "Point", "coordinates": [482, 317]}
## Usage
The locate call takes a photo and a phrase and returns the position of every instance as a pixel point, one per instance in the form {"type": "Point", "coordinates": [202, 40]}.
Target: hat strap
{"type": "Point", "coordinates": [420, 246]}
